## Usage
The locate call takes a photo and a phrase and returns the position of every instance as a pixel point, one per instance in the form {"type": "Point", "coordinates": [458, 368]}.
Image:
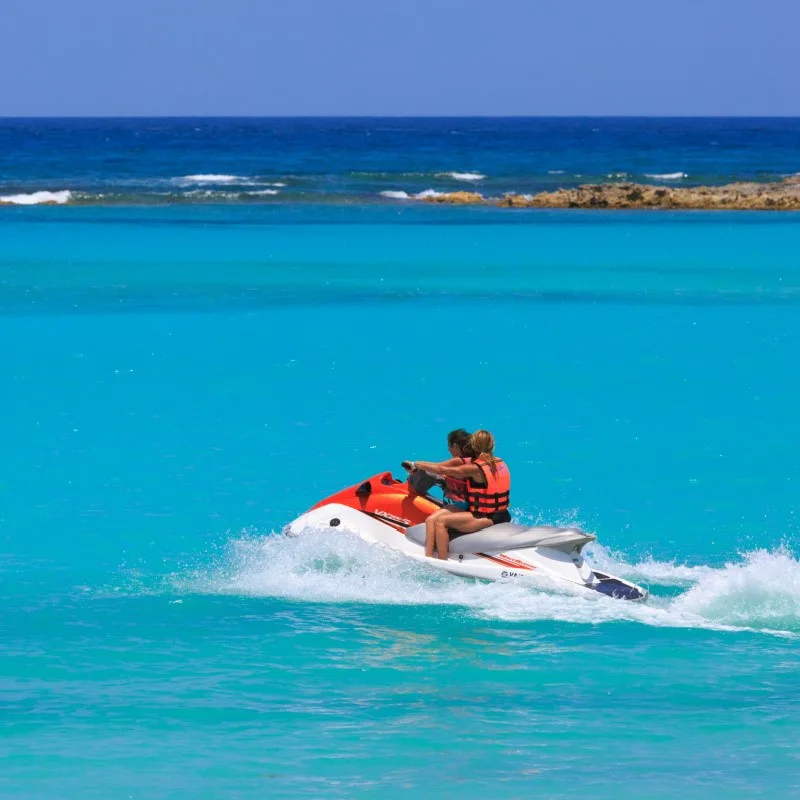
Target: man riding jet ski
{"type": "Point", "coordinates": [392, 512]}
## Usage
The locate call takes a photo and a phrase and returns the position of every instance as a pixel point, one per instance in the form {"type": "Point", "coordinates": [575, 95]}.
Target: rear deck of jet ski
{"type": "Point", "coordinates": [511, 536]}
{"type": "Point", "coordinates": [554, 551]}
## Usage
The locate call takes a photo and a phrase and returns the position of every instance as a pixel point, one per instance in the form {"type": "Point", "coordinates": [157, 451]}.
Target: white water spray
{"type": "Point", "coordinates": [760, 592]}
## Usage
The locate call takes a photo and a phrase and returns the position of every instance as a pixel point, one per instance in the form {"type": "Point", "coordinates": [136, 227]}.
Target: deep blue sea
{"type": "Point", "coordinates": [186, 366]}
{"type": "Point", "coordinates": [289, 161]}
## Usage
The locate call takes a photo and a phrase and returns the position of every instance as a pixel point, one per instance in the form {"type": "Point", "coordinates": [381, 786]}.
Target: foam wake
{"type": "Point", "coordinates": [759, 592]}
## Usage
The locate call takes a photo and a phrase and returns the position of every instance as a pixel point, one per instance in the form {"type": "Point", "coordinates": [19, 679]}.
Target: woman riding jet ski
{"type": "Point", "coordinates": [391, 512]}
{"type": "Point", "coordinates": [487, 493]}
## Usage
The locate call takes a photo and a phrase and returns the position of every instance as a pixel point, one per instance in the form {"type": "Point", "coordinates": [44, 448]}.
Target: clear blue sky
{"type": "Point", "coordinates": [395, 57]}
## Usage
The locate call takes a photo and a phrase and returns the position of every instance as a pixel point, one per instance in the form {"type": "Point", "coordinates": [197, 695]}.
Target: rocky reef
{"type": "Point", "coordinates": [457, 198]}
{"type": "Point", "coordinates": [781, 196]}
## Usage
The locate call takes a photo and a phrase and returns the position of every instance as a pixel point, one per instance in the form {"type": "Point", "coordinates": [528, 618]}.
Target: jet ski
{"type": "Point", "coordinates": [389, 511]}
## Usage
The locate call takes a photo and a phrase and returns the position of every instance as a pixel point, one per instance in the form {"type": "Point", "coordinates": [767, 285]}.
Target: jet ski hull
{"type": "Point", "coordinates": [386, 511]}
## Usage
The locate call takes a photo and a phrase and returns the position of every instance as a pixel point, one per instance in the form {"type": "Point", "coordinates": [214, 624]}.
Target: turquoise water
{"type": "Point", "coordinates": [178, 383]}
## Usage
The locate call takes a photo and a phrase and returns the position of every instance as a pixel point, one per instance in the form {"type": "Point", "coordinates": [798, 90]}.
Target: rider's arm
{"type": "Point", "coordinates": [455, 471]}
{"type": "Point", "coordinates": [434, 466]}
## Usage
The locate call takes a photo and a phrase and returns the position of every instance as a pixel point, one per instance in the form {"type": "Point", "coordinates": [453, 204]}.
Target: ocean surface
{"type": "Point", "coordinates": [179, 380]}
{"type": "Point", "coordinates": [278, 161]}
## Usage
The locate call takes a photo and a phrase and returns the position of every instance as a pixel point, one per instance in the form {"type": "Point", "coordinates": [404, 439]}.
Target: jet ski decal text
{"type": "Point", "coordinates": [393, 518]}
{"type": "Point", "coordinates": [507, 561]}
{"type": "Point", "coordinates": [390, 518]}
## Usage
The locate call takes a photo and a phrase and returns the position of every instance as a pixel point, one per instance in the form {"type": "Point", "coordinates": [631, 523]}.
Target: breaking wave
{"type": "Point", "coordinates": [428, 193]}
{"type": "Point", "coordinates": [401, 195]}
{"type": "Point", "coordinates": [224, 180]}
{"type": "Point", "coordinates": [235, 194]}
{"type": "Point", "coordinates": [758, 592]}
{"type": "Point", "coordinates": [37, 198]}
{"type": "Point", "coordinates": [423, 195]}
{"type": "Point", "coordinates": [462, 176]}
{"type": "Point", "coordinates": [667, 176]}
{"type": "Point", "coordinates": [212, 178]}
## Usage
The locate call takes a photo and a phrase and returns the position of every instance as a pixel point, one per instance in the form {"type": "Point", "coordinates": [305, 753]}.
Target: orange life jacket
{"type": "Point", "coordinates": [455, 489]}
{"type": "Point", "coordinates": [495, 494]}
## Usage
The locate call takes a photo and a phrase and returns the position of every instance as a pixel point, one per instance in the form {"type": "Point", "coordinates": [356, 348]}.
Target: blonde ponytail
{"type": "Point", "coordinates": [482, 443]}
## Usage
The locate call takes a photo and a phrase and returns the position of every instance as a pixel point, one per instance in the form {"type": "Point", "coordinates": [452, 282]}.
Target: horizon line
{"type": "Point", "coordinates": [394, 116]}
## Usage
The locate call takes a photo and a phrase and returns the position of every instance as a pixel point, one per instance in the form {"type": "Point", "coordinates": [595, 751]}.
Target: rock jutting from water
{"type": "Point", "coordinates": [461, 198]}
{"type": "Point", "coordinates": [780, 196]}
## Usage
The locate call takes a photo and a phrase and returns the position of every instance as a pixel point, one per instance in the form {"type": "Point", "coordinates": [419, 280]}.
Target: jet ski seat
{"type": "Point", "coordinates": [510, 536]}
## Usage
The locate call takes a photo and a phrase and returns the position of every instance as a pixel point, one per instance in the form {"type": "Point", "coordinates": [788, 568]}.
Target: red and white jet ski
{"type": "Point", "coordinates": [388, 511]}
